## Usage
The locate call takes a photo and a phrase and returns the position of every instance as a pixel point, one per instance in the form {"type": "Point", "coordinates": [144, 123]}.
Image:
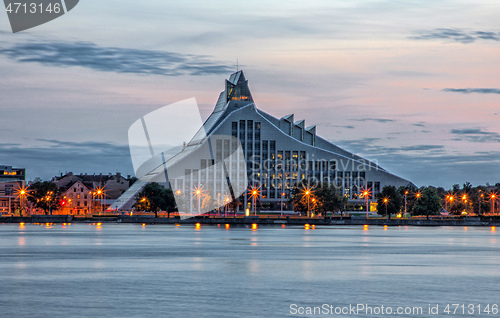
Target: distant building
{"type": "Point", "coordinates": [279, 153]}
{"type": "Point", "coordinates": [11, 180]}
{"type": "Point", "coordinates": [77, 199]}
{"type": "Point", "coordinates": [8, 173]}
{"type": "Point", "coordinates": [80, 191]}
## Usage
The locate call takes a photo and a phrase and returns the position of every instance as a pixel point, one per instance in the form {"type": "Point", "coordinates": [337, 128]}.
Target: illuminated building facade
{"type": "Point", "coordinates": [278, 153]}
{"type": "Point", "coordinates": [11, 180]}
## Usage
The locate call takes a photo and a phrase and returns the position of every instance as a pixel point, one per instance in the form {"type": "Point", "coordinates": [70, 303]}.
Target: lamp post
{"type": "Point", "coordinates": [406, 194]}
{"type": "Point", "coordinates": [479, 203]}
{"type": "Point", "coordinates": [282, 195]}
{"type": "Point", "coordinates": [218, 204]}
{"type": "Point", "coordinates": [493, 198]}
{"type": "Point", "coordinates": [366, 194]}
{"type": "Point", "coordinates": [386, 202]}
{"type": "Point", "coordinates": [307, 196]}
{"type": "Point", "coordinates": [464, 200]}
{"type": "Point", "coordinates": [198, 193]}
{"type": "Point", "coordinates": [254, 193]}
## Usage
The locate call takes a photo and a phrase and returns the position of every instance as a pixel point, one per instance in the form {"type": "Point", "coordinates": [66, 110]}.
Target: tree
{"type": "Point", "coordinates": [45, 195]}
{"type": "Point", "coordinates": [154, 198]}
{"type": "Point", "coordinates": [328, 199]}
{"type": "Point", "coordinates": [457, 207]}
{"type": "Point", "coordinates": [302, 196]}
{"type": "Point", "coordinates": [321, 198]}
{"type": "Point", "coordinates": [428, 203]}
{"type": "Point", "coordinates": [389, 201]}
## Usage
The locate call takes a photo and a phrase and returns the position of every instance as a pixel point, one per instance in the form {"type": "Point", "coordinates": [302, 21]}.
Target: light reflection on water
{"type": "Point", "coordinates": [128, 270]}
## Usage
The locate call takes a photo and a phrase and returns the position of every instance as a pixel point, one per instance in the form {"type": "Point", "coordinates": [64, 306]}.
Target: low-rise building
{"type": "Point", "coordinates": [12, 180]}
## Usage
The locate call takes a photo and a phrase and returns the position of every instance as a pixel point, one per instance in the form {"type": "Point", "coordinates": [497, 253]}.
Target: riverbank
{"type": "Point", "coordinates": [261, 220]}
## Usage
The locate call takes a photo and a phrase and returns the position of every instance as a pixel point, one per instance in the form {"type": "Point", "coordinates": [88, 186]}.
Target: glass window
{"type": "Point", "coordinates": [333, 164]}
{"type": "Point", "coordinates": [272, 145]}
{"type": "Point", "coordinates": [250, 124]}
{"type": "Point", "coordinates": [234, 129]}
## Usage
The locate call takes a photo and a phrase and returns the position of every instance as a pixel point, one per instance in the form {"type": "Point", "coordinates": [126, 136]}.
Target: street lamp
{"type": "Point", "coordinates": [366, 194]}
{"type": "Point", "coordinates": [307, 191]}
{"type": "Point", "coordinates": [254, 194]}
{"type": "Point", "coordinates": [282, 195]}
{"type": "Point", "coordinates": [22, 192]}
{"type": "Point", "coordinates": [464, 200]}
{"type": "Point", "coordinates": [99, 192]}
{"type": "Point", "coordinates": [406, 194]}
{"type": "Point", "coordinates": [198, 193]}
{"type": "Point", "coordinates": [493, 197]}
{"type": "Point", "coordinates": [479, 203]}
{"type": "Point", "coordinates": [386, 202]}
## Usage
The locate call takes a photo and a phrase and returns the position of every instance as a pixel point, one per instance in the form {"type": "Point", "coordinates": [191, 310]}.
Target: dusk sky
{"type": "Point", "coordinates": [413, 85]}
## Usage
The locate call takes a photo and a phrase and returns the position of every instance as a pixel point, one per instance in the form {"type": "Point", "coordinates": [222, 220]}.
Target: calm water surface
{"type": "Point", "coordinates": [127, 270]}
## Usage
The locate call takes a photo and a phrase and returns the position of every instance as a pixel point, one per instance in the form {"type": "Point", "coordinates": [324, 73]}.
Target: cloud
{"type": "Point", "coordinates": [473, 90]}
{"type": "Point", "coordinates": [456, 35]}
{"type": "Point", "coordinates": [409, 74]}
{"type": "Point", "coordinates": [379, 120]}
{"type": "Point", "coordinates": [419, 124]}
{"type": "Point", "coordinates": [475, 135]}
{"type": "Point", "coordinates": [114, 59]}
{"type": "Point", "coordinates": [370, 146]}
{"type": "Point", "coordinates": [429, 164]}
{"type": "Point", "coordinates": [337, 126]}
{"type": "Point", "coordinates": [50, 157]}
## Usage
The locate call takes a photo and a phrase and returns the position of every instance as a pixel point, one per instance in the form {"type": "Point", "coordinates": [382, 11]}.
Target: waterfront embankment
{"type": "Point", "coordinates": [262, 220]}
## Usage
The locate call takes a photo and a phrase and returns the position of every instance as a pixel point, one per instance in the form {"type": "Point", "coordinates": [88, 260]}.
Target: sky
{"type": "Point", "coordinates": [412, 85]}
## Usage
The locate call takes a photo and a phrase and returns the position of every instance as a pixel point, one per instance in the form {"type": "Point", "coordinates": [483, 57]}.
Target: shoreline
{"type": "Point", "coordinates": [259, 220]}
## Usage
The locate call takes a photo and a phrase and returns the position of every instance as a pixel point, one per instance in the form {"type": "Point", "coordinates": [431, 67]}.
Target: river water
{"type": "Point", "coordinates": [130, 270]}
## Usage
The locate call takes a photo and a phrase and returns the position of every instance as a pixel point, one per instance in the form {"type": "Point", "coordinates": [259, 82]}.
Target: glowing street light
{"type": "Point", "coordinates": [493, 198]}
{"type": "Point", "coordinates": [254, 194]}
{"type": "Point", "coordinates": [386, 202]}
{"type": "Point", "coordinates": [198, 192]}
{"type": "Point", "coordinates": [366, 194]}
{"type": "Point", "coordinates": [282, 195]}
{"type": "Point", "coordinates": [406, 194]}
{"type": "Point", "coordinates": [307, 191]}
{"type": "Point", "coordinates": [100, 193]}
{"type": "Point", "coordinates": [21, 193]}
